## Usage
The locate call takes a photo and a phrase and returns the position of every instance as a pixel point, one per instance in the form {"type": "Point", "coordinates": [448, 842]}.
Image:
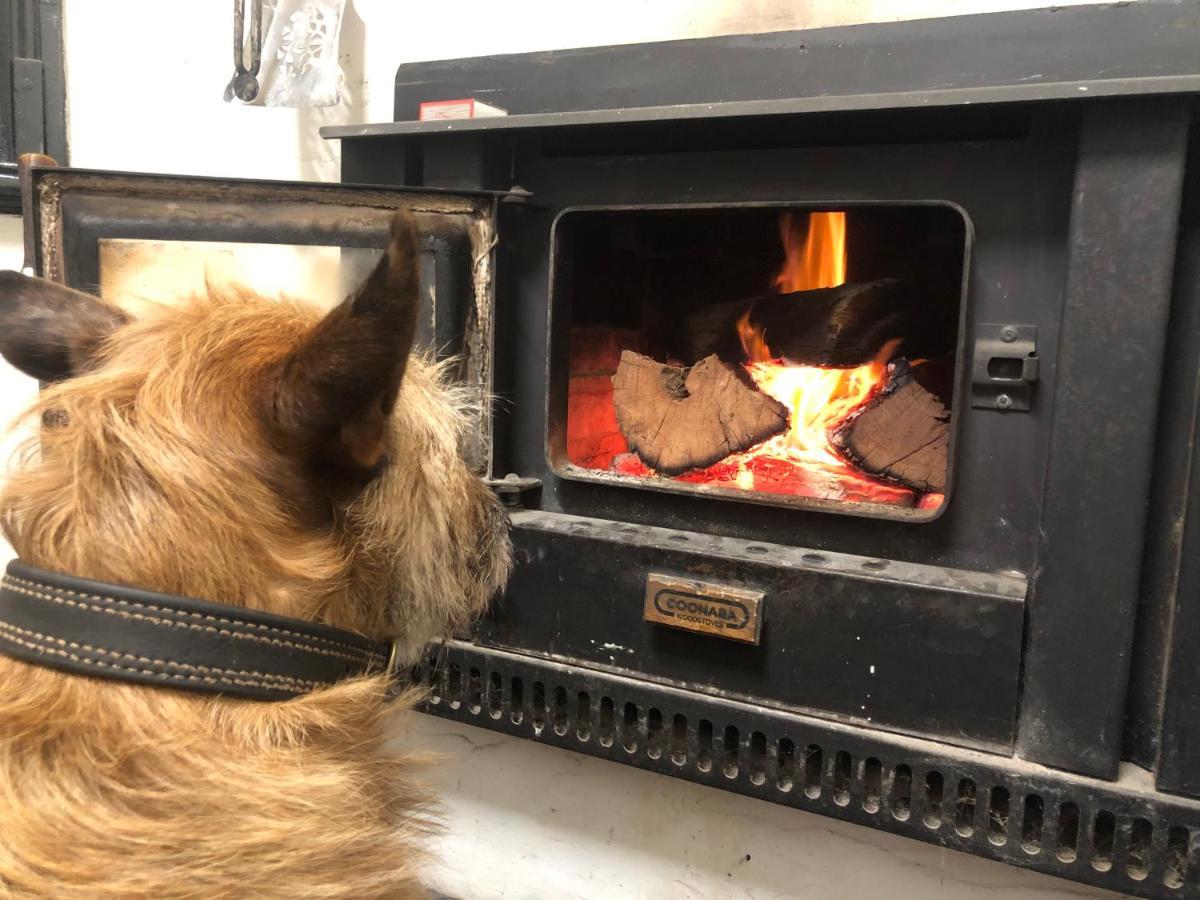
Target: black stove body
{"type": "Point", "coordinates": [1014, 675]}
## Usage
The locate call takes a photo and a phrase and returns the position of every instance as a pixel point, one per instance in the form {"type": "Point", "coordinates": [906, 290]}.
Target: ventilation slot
{"type": "Point", "coordinates": [562, 715]}
{"type": "Point", "coordinates": [933, 800]}
{"type": "Point", "coordinates": [1137, 866]}
{"type": "Point", "coordinates": [607, 721]}
{"type": "Point", "coordinates": [1068, 832]}
{"type": "Point", "coordinates": [704, 746]}
{"type": "Point", "coordinates": [517, 701]}
{"type": "Point", "coordinates": [998, 816]}
{"type": "Point", "coordinates": [495, 695]}
{"type": "Point", "coordinates": [758, 758]}
{"type": "Point", "coordinates": [785, 765]}
{"type": "Point", "coordinates": [1103, 831]}
{"type": "Point", "coordinates": [538, 710]}
{"type": "Point", "coordinates": [679, 739]}
{"type": "Point", "coordinates": [902, 792]}
{"type": "Point", "coordinates": [730, 767]}
{"type": "Point", "coordinates": [1031, 825]}
{"type": "Point", "coordinates": [454, 685]}
{"type": "Point", "coordinates": [841, 778]}
{"type": "Point", "coordinates": [964, 809]}
{"type": "Point", "coordinates": [475, 691]}
{"type": "Point", "coordinates": [812, 771]}
{"type": "Point", "coordinates": [872, 785]}
{"type": "Point", "coordinates": [1175, 871]}
{"type": "Point", "coordinates": [583, 716]}
{"type": "Point", "coordinates": [654, 733]}
{"type": "Point", "coordinates": [434, 679]}
{"type": "Point", "coordinates": [629, 731]}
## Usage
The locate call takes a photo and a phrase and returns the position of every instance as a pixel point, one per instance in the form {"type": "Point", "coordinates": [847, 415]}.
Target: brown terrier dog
{"type": "Point", "coordinates": [252, 453]}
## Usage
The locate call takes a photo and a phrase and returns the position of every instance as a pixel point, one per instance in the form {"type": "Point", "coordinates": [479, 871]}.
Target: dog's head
{"type": "Point", "coordinates": [253, 452]}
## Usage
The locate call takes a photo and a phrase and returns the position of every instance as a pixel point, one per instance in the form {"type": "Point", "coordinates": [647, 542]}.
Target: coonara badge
{"type": "Point", "coordinates": [716, 609]}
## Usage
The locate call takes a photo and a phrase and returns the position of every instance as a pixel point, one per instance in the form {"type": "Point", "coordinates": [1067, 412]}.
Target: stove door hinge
{"type": "Point", "coordinates": [1005, 367]}
{"type": "Point", "coordinates": [512, 487]}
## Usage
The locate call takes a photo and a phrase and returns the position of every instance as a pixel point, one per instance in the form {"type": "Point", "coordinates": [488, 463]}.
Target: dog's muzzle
{"type": "Point", "coordinates": [111, 631]}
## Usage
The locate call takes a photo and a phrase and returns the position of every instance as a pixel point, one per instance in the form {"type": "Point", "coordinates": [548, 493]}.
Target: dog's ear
{"type": "Point", "coordinates": [331, 397]}
{"type": "Point", "coordinates": [49, 331]}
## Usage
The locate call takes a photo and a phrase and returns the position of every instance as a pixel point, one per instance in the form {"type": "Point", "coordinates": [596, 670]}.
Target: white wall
{"type": "Point", "coordinates": [145, 80]}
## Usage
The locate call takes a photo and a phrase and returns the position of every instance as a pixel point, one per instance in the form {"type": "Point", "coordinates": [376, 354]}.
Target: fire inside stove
{"type": "Point", "coordinates": [784, 353]}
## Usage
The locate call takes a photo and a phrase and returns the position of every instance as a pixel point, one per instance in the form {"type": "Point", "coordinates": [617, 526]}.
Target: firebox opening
{"type": "Point", "coordinates": [791, 354]}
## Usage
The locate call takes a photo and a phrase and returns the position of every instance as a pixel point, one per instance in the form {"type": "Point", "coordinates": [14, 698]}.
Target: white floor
{"type": "Point", "coordinates": [535, 821]}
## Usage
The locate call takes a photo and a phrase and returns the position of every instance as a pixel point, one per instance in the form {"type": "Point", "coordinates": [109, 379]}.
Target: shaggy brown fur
{"type": "Point", "coordinates": [247, 452]}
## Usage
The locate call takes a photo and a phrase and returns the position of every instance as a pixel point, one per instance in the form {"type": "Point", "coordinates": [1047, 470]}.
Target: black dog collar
{"type": "Point", "coordinates": [112, 631]}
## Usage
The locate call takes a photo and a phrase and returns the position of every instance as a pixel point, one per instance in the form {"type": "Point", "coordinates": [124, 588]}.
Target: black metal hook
{"type": "Point", "coordinates": [245, 82]}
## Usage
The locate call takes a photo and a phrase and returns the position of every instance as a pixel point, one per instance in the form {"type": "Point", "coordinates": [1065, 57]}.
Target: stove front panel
{"type": "Point", "coordinates": [1010, 173]}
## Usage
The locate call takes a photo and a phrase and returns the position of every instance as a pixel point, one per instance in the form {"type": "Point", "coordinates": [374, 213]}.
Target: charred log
{"type": "Point", "coordinates": [842, 326]}
{"type": "Point", "coordinates": [677, 419]}
{"type": "Point", "coordinates": [710, 329]}
{"type": "Point", "coordinates": [903, 434]}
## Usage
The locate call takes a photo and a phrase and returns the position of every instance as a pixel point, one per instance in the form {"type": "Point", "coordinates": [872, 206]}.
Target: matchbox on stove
{"type": "Point", "coordinates": [467, 108]}
{"type": "Point", "coordinates": [845, 404]}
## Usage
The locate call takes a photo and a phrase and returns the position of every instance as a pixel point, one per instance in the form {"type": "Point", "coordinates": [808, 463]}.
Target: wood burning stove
{"type": "Point", "coordinates": [988, 652]}
{"type": "Point", "coordinates": [918, 307]}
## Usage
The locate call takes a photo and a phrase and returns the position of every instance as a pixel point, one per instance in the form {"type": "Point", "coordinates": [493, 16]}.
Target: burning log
{"type": "Point", "coordinates": [843, 326]}
{"type": "Point", "coordinates": [677, 419]}
{"type": "Point", "coordinates": [902, 434]}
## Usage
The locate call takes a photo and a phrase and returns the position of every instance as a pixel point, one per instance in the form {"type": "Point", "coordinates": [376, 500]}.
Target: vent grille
{"type": "Point", "coordinates": [1112, 835]}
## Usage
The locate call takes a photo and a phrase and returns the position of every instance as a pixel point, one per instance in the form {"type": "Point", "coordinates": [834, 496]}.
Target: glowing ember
{"type": "Point", "coordinates": [819, 399]}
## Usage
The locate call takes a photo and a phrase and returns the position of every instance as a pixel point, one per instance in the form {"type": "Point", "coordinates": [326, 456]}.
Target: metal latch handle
{"type": "Point", "coordinates": [1005, 367]}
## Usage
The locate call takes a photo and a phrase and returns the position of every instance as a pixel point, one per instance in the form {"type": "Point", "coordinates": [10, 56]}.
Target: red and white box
{"type": "Point", "coordinates": [467, 108]}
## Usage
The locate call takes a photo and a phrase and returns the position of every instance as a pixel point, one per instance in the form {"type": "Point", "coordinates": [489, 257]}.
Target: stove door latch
{"type": "Point", "coordinates": [1005, 367]}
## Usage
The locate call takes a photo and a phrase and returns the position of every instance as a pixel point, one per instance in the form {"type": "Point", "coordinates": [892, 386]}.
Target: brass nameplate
{"type": "Point", "coordinates": [716, 609]}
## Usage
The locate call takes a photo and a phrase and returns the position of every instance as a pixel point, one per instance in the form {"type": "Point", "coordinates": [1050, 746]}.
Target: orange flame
{"type": "Point", "coordinates": [815, 248]}
{"type": "Point", "coordinates": [818, 399]}
{"type": "Point", "coordinates": [815, 257]}
{"type": "Point", "coordinates": [803, 460]}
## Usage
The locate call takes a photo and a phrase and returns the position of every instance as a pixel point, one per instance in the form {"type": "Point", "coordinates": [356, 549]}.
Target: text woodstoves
{"type": "Point", "coordinates": [848, 383]}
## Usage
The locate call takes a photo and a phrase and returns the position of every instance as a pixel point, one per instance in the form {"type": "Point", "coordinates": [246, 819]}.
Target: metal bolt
{"type": "Point", "coordinates": [1003, 401]}
{"type": "Point", "coordinates": [1008, 334]}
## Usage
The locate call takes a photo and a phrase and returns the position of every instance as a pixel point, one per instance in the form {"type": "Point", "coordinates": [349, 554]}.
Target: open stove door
{"type": "Point", "coordinates": [138, 239]}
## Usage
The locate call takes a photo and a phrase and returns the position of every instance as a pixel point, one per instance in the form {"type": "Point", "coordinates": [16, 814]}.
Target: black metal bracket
{"type": "Point", "coordinates": [32, 89]}
{"type": "Point", "coordinates": [512, 487]}
{"type": "Point", "coordinates": [1004, 368]}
